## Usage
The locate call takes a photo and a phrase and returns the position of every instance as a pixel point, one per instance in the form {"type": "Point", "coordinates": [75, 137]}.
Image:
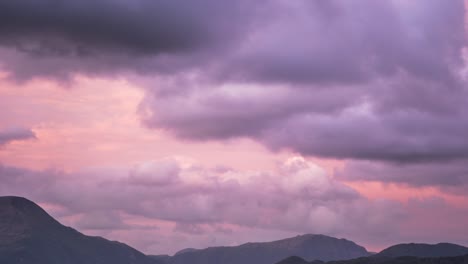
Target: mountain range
{"type": "Point", "coordinates": [306, 246]}
{"type": "Point", "coordinates": [384, 260]}
{"type": "Point", "coordinates": [28, 235]}
{"type": "Point", "coordinates": [424, 250]}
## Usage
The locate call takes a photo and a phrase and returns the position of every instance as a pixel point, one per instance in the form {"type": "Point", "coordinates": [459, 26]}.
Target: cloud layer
{"type": "Point", "coordinates": [373, 81]}
{"type": "Point", "coordinates": [366, 80]}
{"type": "Point", "coordinates": [58, 40]}
{"type": "Point", "coordinates": [380, 85]}
{"type": "Point", "coordinates": [176, 200]}
{"type": "Point", "coordinates": [299, 198]}
{"type": "Point", "coordinates": [171, 190]}
{"type": "Point", "coordinates": [450, 177]}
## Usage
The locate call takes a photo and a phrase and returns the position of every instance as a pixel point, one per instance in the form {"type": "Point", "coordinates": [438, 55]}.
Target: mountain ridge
{"type": "Point", "coordinates": [309, 246]}
{"type": "Point", "coordinates": [28, 234]}
{"type": "Point", "coordinates": [423, 250]}
{"type": "Point", "coordinates": [463, 259]}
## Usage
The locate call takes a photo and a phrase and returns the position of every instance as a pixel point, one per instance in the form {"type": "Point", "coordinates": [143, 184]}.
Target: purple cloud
{"type": "Point", "coordinates": [362, 81]}
{"type": "Point", "coordinates": [188, 205]}
{"type": "Point", "coordinates": [14, 134]}
{"type": "Point", "coordinates": [59, 40]}
{"type": "Point", "coordinates": [298, 198]}
{"type": "Point", "coordinates": [367, 81]}
{"type": "Point", "coordinates": [450, 176]}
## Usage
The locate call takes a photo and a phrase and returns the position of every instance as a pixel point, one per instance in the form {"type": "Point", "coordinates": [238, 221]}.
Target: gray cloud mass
{"type": "Point", "coordinates": [362, 80]}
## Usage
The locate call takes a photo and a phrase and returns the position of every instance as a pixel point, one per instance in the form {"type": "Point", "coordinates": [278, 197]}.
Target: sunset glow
{"type": "Point", "coordinates": [218, 123]}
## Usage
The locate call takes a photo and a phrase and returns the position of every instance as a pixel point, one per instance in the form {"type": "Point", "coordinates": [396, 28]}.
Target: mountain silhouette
{"type": "Point", "coordinates": [385, 260]}
{"type": "Point", "coordinates": [28, 235]}
{"type": "Point", "coordinates": [423, 250]}
{"type": "Point", "coordinates": [298, 260]}
{"type": "Point", "coordinates": [309, 247]}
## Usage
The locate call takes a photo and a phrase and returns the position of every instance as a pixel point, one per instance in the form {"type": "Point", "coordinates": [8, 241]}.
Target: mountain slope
{"type": "Point", "coordinates": [423, 250]}
{"type": "Point", "coordinates": [28, 235]}
{"type": "Point", "coordinates": [385, 260]}
{"type": "Point", "coordinates": [309, 247]}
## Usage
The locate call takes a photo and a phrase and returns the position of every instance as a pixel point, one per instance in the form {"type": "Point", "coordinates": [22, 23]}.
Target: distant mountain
{"type": "Point", "coordinates": [385, 260]}
{"type": "Point", "coordinates": [28, 235]}
{"type": "Point", "coordinates": [293, 260]}
{"type": "Point", "coordinates": [423, 250]}
{"type": "Point", "coordinates": [309, 247]}
{"type": "Point", "coordinates": [185, 251]}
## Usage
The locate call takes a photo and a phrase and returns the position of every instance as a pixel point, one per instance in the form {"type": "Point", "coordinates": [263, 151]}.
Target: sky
{"type": "Point", "coordinates": [174, 124]}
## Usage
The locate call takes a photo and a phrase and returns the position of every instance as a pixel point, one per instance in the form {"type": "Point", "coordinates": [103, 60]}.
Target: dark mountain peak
{"type": "Point", "coordinates": [309, 247]}
{"type": "Point", "coordinates": [322, 247]}
{"type": "Point", "coordinates": [312, 238]}
{"type": "Point", "coordinates": [15, 203]}
{"type": "Point", "coordinates": [304, 240]}
{"type": "Point", "coordinates": [424, 250]}
{"type": "Point", "coordinates": [23, 206]}
{"type": "Point", "coordinates": [29, 235]}
{"type": "Point", "coordinates": [19, 216]}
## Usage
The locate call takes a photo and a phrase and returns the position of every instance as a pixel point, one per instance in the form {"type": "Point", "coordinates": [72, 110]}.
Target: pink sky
{"type": "Point", "coordinates": [85, 128]}
{"type": "Point", "coordinates": [197, 151]}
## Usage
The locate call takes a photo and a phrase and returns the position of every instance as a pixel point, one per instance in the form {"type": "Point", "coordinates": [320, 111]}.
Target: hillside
{"type": "Point", "coordinates": [29, 235]}
{"type": "Point", "coordinates": [309, 247]}
{"type": "Point", "coordinates": [385, 260]}
{"type": "Point", "coordinates": [423, 250]}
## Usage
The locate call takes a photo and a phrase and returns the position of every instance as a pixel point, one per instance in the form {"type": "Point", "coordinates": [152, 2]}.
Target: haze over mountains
{"type": "Point", "coordinates": [28, 235]}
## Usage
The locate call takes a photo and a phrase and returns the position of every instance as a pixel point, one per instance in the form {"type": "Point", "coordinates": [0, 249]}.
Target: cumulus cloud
{"type": "Point", "coordinates": [185, 205]}
{"type": "Point", "coordinates": [13, 134]}
{"type": "Point", "coordinates": [369, 80]}
{"type": "Point", "coordinates": [299, 197]}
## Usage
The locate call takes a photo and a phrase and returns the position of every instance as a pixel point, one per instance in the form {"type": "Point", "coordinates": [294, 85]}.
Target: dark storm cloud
{"type": "Point", "coordinates": [103, 36]}
{"type": "Point", "coordinates": [349, 80]}
{"type": "Point", "coordinates": [138, 27]}
{"type": "Point", "coordinates": [366, 79]}
{"type": "Point", "coordinates": [405, 136]}
{"type": "Point", "coordinates": [13, 134]}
